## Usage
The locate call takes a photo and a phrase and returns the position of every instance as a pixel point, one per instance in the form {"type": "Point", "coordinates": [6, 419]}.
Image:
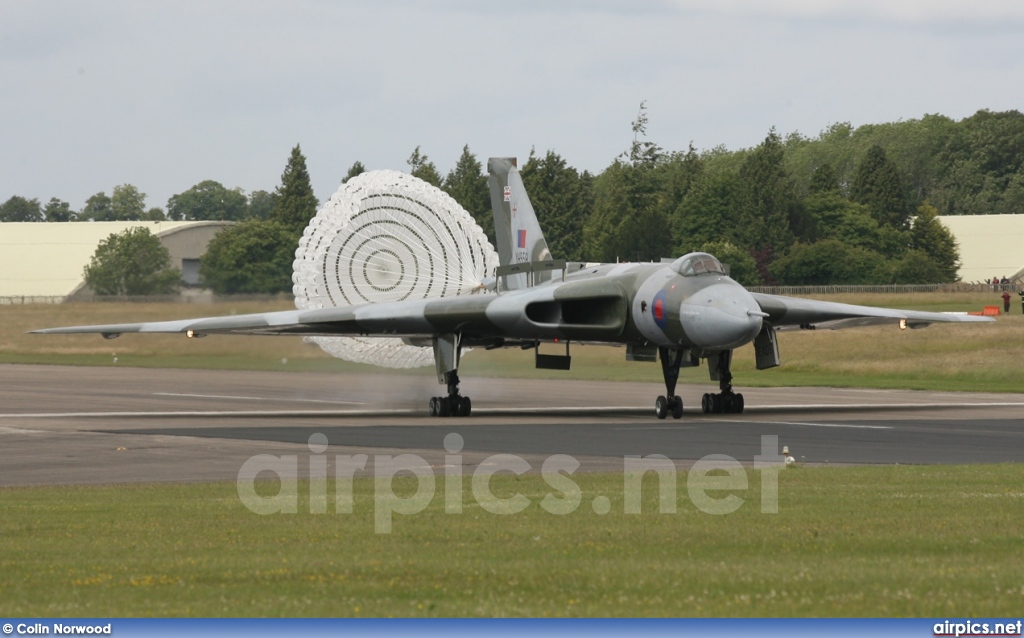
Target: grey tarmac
{"type": "Point", "coordinates": [78, 425]}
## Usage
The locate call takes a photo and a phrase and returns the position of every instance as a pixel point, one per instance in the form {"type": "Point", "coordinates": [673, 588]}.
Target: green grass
{"type": "Point", "coordinates": [978, 357]}
{"type": "Point", "coordinates": [854, 541]}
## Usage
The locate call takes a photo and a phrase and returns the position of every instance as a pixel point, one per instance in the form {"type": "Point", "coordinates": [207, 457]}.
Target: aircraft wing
{"type": "Point", "coordinates": [791, 312]}
{"type": "Point", "coordinates": [394, 319]}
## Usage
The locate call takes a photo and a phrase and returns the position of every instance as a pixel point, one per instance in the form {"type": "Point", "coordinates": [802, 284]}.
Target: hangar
{"type": "Point", "coordinates": [990, 246]}
{"type": "Point", "coordinates": [41, 259]}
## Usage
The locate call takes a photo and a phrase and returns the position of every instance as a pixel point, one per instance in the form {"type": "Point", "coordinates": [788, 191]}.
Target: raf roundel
{"type": "Point", "coordinates": [658, 309]}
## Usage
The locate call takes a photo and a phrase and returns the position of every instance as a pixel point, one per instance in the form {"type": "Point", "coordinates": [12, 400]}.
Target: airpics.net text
{"type": "Point", "coordinates": [713, 473]}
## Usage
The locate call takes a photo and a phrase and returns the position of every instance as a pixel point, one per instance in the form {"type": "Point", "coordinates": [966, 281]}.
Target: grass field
{"type": "Point", "coordinates": [855, 541]}
{"type": "Point", "coordinates": [847, 541]}
{"type": "Point", "coordinates": [941, 357]}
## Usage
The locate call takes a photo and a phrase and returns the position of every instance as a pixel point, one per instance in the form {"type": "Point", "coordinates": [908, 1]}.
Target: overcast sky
{"type": "Point", "coordinates": [164, 95]}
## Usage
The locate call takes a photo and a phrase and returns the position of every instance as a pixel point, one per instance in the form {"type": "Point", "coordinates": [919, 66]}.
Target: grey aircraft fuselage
{"type": "Point", "coordinates": [643, 304]}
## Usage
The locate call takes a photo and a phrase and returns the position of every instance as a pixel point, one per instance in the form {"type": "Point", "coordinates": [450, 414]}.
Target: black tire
{"type": "Point", "coordinates": [677, 407]}
{"type": "Point", "coordinates": [444, 407]}
{"type": "Point", "coordinates": [661, 407]}
{"type": "Point", "coordinates": [737, 404]}
{"type": "Point", "coordinates": [705, 403]}
{"type": "Point", "coordinates": [467, 406]}
{"type": "Point", "coordinates": [434, 408]}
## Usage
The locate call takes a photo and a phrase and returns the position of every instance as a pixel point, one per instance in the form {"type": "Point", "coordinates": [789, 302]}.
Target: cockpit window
{"type": "Point", "coordinates": [697, 264]}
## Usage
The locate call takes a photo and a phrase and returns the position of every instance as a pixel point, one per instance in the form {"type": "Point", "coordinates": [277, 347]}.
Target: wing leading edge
{"type": "Point", "coordinates": [403, 318]}
{"type": "Point", "coordinates": [792, 312]}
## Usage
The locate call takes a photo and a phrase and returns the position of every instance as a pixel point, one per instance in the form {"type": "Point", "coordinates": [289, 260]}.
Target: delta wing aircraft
{"type": "Point", "coordinates": [679, 313]}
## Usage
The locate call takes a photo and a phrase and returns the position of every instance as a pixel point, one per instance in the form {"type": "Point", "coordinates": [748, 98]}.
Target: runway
{"type": "Point", "coordinates": [78, 425]}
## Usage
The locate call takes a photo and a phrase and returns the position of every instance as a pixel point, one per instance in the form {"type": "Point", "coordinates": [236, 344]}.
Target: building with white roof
{"type": "Point", "coordinates": [47, 259]}
{"type": "Point", "coordinates": [990, 246]}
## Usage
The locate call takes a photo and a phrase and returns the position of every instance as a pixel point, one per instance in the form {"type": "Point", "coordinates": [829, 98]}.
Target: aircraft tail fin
{"type": "Point", "coordinates": [516, 229]}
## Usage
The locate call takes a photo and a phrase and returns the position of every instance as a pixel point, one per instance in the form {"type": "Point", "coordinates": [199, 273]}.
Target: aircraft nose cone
{"type": "Point", "coordinates": [722, 316]}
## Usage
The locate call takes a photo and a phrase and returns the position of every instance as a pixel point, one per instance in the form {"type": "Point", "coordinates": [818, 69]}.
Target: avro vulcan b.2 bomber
{"type": "Point", "coordinates": [381, 275]}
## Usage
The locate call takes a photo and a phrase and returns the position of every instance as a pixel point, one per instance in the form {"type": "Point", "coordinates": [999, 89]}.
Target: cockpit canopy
{"type": "Point", "coordinates": [697, 264]}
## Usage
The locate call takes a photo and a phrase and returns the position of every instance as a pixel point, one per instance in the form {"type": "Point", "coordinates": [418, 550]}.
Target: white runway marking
{"type": "Point", "coordinates": [210, 413]}
{"type": "Point", "coordinates": [881, 406]}
{"type": "Point", "coordinates": [312, 413]}
{"type": "Point", "coordinates": [662, 427]}
{"type": "Point", "coordinates": [239, 398]}
{"type": "Point", "coordinates": [815, 425]}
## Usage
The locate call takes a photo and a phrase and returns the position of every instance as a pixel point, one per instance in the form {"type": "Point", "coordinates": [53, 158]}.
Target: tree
{"type": "Point", "coordinates": [980, 159]}
{"type": "Point", "coordinates": [133, 262]}
{"type": "Point", "coordinates": [58, 211]}
{"type": "Point", "coordinates": [254, 256]}
{"type": "Point", "coordinates": [97, 208]}
{"type": "Point", "coordinates": [420, 166]}
{"type": "Point", "coordinates": [467, 185]}
{"type": "Point", "coordinates": [742, 266]}
{"type": "Point", "coordinates": [641, 152]}
{"type": "Point", "coordinates": [824, 180]}
{"type": "Point", "coordinates": [712, 212]}
{"type": "Point", "coordinates": [929, 237]}
{"type": "Point", "coordinates": [355, 170]}
{"type": "Point", "coordinates": [295, 204]}
{"type": "Point", "coordinates": [916, 267]}
{"type": "Point", "coordinates": [19, 209]}
{"type": "Point", "coordinates": [829, 262]}
{"type": "Point", "coordinates": [261, 204]}
{"type": "Point", "coordinates": [878, 186]}
{"type": "Point", "coordinates": [627, 224]}
{"type": "Point", "coordinates": [562, 199]}
{"type": "Point", "coordinates": [678, 175]}
{"type": "Point", "coordinates": [127, 203]}
{"type": "Point", "coordinates": [155, 214]}
{"type": "Point", "coordinates": [629, 221]}
{"type": "Point", "coordinates": [773, 211]}
{"type": "Point", "coordinates": [208, 200]}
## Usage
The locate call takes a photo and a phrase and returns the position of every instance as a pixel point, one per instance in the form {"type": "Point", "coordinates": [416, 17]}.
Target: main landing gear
{"type": "Point", "coordinates": [671, 403]}
{"type": "Point", "coordinates": [726, 401]}
{"type": "Point", "coordinates": [454, 404]}
{"type": "Point", "coordinates": [447, 351]}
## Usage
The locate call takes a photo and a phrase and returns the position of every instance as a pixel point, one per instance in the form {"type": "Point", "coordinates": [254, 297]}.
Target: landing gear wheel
{"type": "Point", "coordinates": [450, 406]}
{"type": "Point", "coordinates": [724, 403]}
{"type": "Point", "coordinates": [661, 407]}
{"type": "Point", "coordinates": [677, 407]}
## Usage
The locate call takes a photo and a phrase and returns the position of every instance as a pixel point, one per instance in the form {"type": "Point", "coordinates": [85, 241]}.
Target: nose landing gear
{"type": "Point", "coordinates": [671, 403]}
